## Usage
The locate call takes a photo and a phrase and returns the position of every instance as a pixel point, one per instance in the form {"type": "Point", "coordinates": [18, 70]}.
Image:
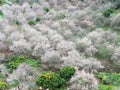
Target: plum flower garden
{"type": "Point", "coordinates": [59, 45]}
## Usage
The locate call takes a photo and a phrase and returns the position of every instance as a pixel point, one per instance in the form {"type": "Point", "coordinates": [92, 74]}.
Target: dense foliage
{"type": "Point", "coordinates": [67, 72]}
{"type": "Point", "coordinates": [108, 12]}
{"type": "Point", "coordinates": [14, 61]}
{"type": "Point", "coordinates": [110, 78]}
{"type": "Point", "coordinates": [109, 81]}
{"type": "Point", "coordinates": [51, 81]}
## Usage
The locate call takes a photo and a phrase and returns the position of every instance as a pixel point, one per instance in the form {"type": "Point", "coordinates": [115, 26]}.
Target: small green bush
{"type": "Point", "coordinates": [32, 62]}
{"type": "Point", "coordinates": [4, 86]}
{"type": "Point", "coordinates": [117, 6]}
{"type": "Point", "coordinates": [17, 22]}
{"type": "Point", "coordinates": [46, 9]}
{"type": "Point", "coordinates": [67, 72]}
{"type": "Point", "coordinates": [32, 22]}
{"type": "Point", "coordinates": [38, 19]}
{"type": "Point", "coordinates": [0, 2]}
{"type": "Point", "coordinates": [1, 14]}
{"type": "Point", "coordinates": [14, 61]}
{"type": "Point", "coordinates": [50, 80]}
{"type": "Point", "coordinates": [108, 12]}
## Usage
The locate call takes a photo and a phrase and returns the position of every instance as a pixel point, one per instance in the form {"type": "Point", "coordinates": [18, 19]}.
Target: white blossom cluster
{"type": "Point", "coordinates": [25, 75]}
{"type": "Point", "coordinates": [115, 22]}
{"type": "Point", "coordinates": [116, 56]}
{"type": "Point", "coordinates": [83, 81]}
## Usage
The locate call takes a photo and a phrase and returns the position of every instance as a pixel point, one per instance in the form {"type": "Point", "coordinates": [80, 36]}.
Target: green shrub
{"type": "Point", "coordinates": [32, 22]}
{"type": "Point", "coordinates": [109, 78]}
{"type": "Point", "coordinates": [38, 19]}
{"type": "Point", "coordinates": [106, 87]}
{"type": "Point", "coordinates": [17, 22]}
{"type": "Point", "coordinates": [108, 12]}
{"type": "Point", "coordinates": [67, 72]}
{"type": "Point", "coordinates": [118, 6]}
{"type": "Point", "coordinates": [0, 2]}
{"type": "Point", "coordinates": [50, 80]}
{"type": "Point", "coordinates": [32, 62]}
{"type": "Point", "coordinates": [4, 86]}
{"type": "Point", "coordinates": [46, 9]}
{"type": "Point", "coordinates": [14, 61]}
{"type": "Point", "coordinates": [1, 14]}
